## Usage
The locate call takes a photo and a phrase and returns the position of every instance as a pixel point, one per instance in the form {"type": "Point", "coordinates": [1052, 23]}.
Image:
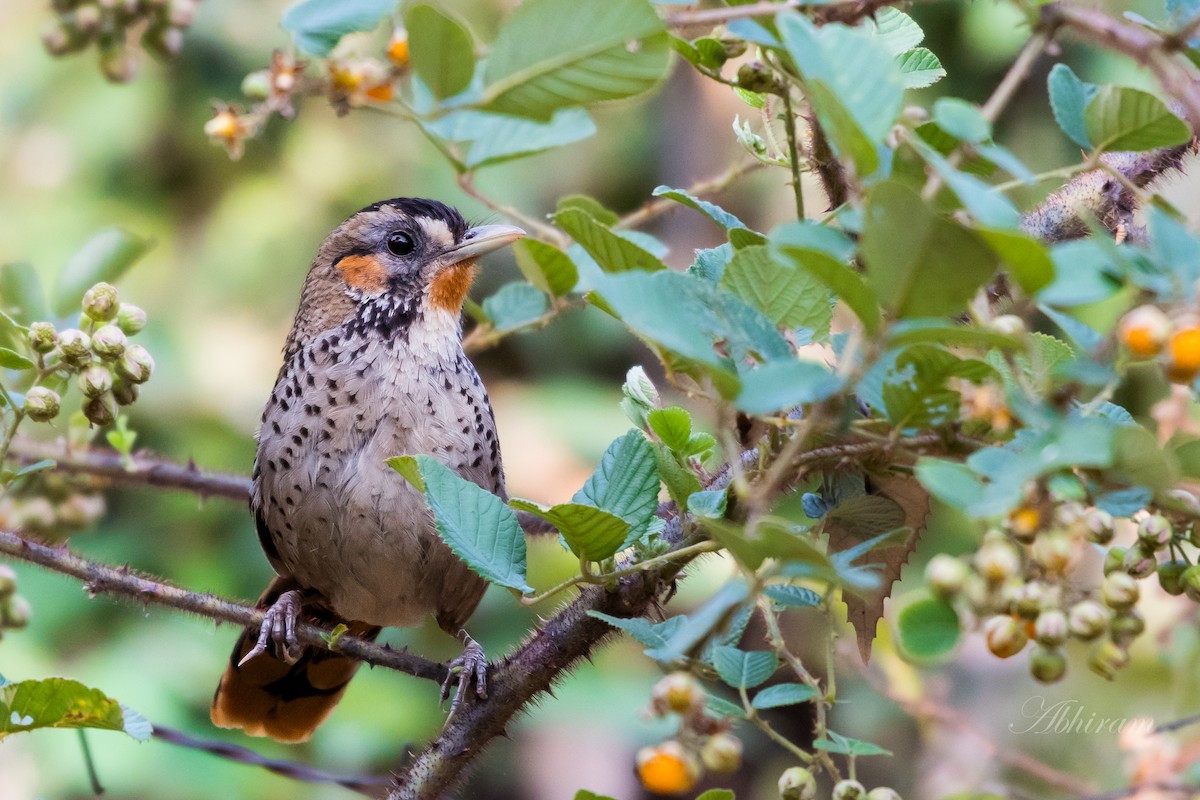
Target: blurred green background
{"type": "Point", "coordinates": [233, 241]}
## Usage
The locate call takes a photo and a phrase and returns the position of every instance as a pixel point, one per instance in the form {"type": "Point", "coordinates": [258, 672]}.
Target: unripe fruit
{"type": "Point", "coordinates": [1005, 636]}
{"type": "Point", "coordinates": [1051, 628]}
{"type": "Point", "coordinates": [125, 393]}
{"type": "Point", "coordinates": [1119, 591]}
{"type": "Point", "coordinates": [678, 692]}
{"type": "Point", "coordinates": [75, 346]}
{"type": "Point", "coordinates": [1098, 525]}
{"type": "Point", "coordinates": [8, 581]}
{"type": "Point", "coordinates": [722, 753]}
{"type": "Point", "coordinates": [95, 381]}
{"type": "Point", "coordinates": [99, 410]}
{"type": "Point", "coordinates": [755, 76]}
{"type": "Point", "coordinates": [883, 793]}
{"type": "Point", "coordinates": [1144, 331]}
{"type": "Point", "coordinates": [997, 561]}
{"type": "Point", "coordinates": [1106, 658]}
{"type": "Point", "coordinates": [667, 769]}
{"type": "Point", "coordinates": [1053, 551]}
{"type": "Point", "coordinates": [797, 783]}
{"type": "Point", "coordinates": [1139, 560]}
{"type": "Point", "coordinates": [1183, 355]}
{"type": "Point", "coordinates": [946, 575]}
{"type": "Point", "coordinates": [100, 302]}
{"type": "Point", "coordinates": [1191, 582]}
{"type": "Point", "coordinates": [1126, 626]}
{"type": "Point", "coordinates": [257, 85]}
{"type": "Point", "coordinates": [1087, 620]}
{"type": "Point", "coordinates": [42, 337]}
{"type": "Point", "coordinates": [136, 364]}
{"type": "Point", "coordinates": [1114, 560]}
{"type": "Point", "coordinates": [15, 613]}
{"type": "Point", "coordinates": [108, 342]}
{"type": "Point", "coordinates": [1170, 576]}
{"type": "Point", "coordinates": [849, 790]}
{"type": "Point", "coordinates": [1154, 531]}
{"type": "Point", "coordinates": [42, 404]}
{"type": "Point", "coordinates": [1047, 664]}
{"type": "Point", "coordinates": [1027, 600]}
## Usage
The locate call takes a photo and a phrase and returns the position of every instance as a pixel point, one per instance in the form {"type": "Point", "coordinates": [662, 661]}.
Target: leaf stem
{"type": "Point", "coordinates": [789, 121]}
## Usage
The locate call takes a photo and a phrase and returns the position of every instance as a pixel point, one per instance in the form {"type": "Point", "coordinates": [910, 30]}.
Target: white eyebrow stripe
{"type": "Point", "coordinates": [436, 232]}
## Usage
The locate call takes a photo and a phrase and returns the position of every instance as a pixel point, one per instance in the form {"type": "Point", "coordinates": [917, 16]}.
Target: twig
{"type": "Point", "coordinates": [660, 205]}
{"type": "Point", "coordinates": [466, 182]}
{"type": "Point", "coordinates": [1180, 790]}
{"type": "Point", "coordinates": [103, 579]}
{"type": "Point", "coordinates": [369, 785]}
{"type": "Point", "coordinates": [848, 11]}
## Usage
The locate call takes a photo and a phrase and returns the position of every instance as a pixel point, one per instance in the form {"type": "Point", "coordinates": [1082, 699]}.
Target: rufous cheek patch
{"type": "Point", "coordinates": [364, 273]}
{"type": "Point", "coordinates": [449, 288]}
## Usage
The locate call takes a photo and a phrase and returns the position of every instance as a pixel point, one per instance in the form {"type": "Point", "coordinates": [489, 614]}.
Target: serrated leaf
{"type": "Point", "coordinates": [545, 266]}
{"type": "Point", "coordinates": [708, 503]}
{"type": "Point", "coordinates": [711, 210]}
{"type": "Point", "coordinates": [792, 596]}
{"type": "Point", "coordinates": [441, 50]}
{"type": "Point", "coordinates": [318, 25]}
{"type": "Point", "coordinates": [784, 385]}
{"type": "Point", "coordinates": [897, 31]}
{"type": "Point", "coordinates": [1121, 118]}
{"type": "Point", "coordinates": [836, 743]}
{"type": "Point", "coordinates": [591, 533]}
{"type": "Point", "coordinates": [612, 252]}
{"type": "Point", "coordinates": [680, 480]}
{"type": "Point", "coordinates": [63, 703]}
{"type": "Point", "coordinates": [919, 68]}
{"type": "Point", "coordinates": [796, 243]}
{"type": "Point", "coordinates": [790, 297]}
{"type": "Point", "coordinates": [590, 205]}
{"type": "Point", "coordinates": [474, 523]}
{"type": "Point", "coordinates": [672, 425]}
{"type": "Point", "coordinates": [929, 628]}
{"type": "Point", "coordinates": [515, 305]}
{"type": "Point", "coordinates": [556, 53]}
{"type": "Point", "coordinates": [625, 483]}
{"type": "Point", "coordinates": [744, 669]}
{"type": "Point", "coordinates": [647, 633]}
{"type": "Point", "coordinates": [1069, 96]}
{"type": "Point", "coordinates": [10, 359]}
{"type": "Point", "coordinates": [106, 256]}
{"type": "Point", "coordinates": [496, 138]}
{"type": "Point", "coordinates": [783, 694]}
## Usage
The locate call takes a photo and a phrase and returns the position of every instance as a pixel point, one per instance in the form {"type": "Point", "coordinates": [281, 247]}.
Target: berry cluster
{"type": "Point", "coordinates": [120, 29]}
{"type": "Point", "coordinates": [52, 505]}
{"type": "Point", "coordinates": [798, 783]}
{"type": "Point", "coordinates": [1147, 332]}
{"type": "Point", "coordinates": [108, 366]}
{"type": "Point", "coordinates": [1018, 584]}
{"type": "Point", "coordinates": [702, 743]}
{"type": "Point", "coordinates": [14, 609]}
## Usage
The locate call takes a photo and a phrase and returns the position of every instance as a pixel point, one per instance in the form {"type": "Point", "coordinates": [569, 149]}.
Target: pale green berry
{"type": "Point", "coordinates": [797, 783]}
{"type": "Point", "coordinates": [1119, 591]}
{"type": "Point", "coordinates": [1106, 658]}
{"type": "Point", "coordinates": [109, 342]}
{"type": "Point", "coordinates": [946, 575]}
{"type": "Point", "coordinates": [42, 404]}
{"type": "Point", "coordinates": [849, 790]}
{"type": "Point", "coordinates": [1139, 560]}
{"type": "Point", "coordinates": [1051, 628]}
{"type": "Point", "coordinates": [1087, 619]}
{"type": "Point", "coordinates": [722, 753]}
{"type": "Point", "coordinates": [42, 337]}
{"type": "Point", "coordinates": [1047, 664]}
{"type": "Point", "coordinates": [1098, 526]}
{"type": "Point", "coordinates": [136, 364]}
{"type": "Point", "coordinates": [1126, 626]}
{"type": "Point", "coordinates": [1155, 532]}
{"type": "Point", "coordinates": [1005, 636]}
{"type": "Point", "coordinates": [100, 302]}
{"type": "Point", "coordinates": [130, 319]}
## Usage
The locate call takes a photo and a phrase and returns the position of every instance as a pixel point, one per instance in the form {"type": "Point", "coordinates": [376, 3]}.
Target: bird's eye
{"type": "Point", "coordinates": [400, 244]}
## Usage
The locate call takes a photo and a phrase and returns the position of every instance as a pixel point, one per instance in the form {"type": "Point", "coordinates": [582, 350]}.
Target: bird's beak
{"type": "Point", "coordinates": [482, 239]}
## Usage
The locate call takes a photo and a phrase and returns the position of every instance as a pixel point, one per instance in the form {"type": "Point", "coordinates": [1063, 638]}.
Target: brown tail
{"type": "Point", "coordinates": [268, 697]}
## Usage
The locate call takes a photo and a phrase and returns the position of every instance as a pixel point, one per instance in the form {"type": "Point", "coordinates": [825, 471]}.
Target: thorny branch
{"type": "Point", "coordinates": [847, 11]}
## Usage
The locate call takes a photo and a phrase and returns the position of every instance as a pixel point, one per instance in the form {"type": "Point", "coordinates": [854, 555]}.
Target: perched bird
{"type": "Point", "coordinates": [373, 368]}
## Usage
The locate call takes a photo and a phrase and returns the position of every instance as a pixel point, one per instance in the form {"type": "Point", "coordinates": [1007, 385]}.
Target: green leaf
{"type": "Point", "coordinates": [1069, 96]}
{"type": "Point", "coordinates": [474, 523]}
{"type": "Point", "coordinates": [121, 437]}
{"type": "Point", "coordinates": [556, 53]}
{"type": "Point", "coordinates": [919, 68]}
{"type": "Point", "coordinates": [12, 360]}
{"type": "Point", "coordinates": [720, 707]}
{"type": "Point", "coordinates": [63, 703]}
{"type": "Point", "coordinates": [744, 669]}
{"type": "Point", "coordinates": [929, 628]}
{"type": "Point", "coordinates": [318, 25]}
{"type": "Point", "coordinates": [783, 694]}
{"type": "Point", "coordinates": [37, 466]}
{"type": "Point", "coordinates": [709, 503]}
{"type": "Point", "coordinates": [545, 266]}
{"type": "Point", "coordinates": [790, 297]}
{"type": "Point", "coordinates": [21, 294]}
{"type": "Point", "coordinates": [711, 210]}
{"type": "Point", "coordinates": [514, 306]}
{"type": "Point", "coordinates": [783, 385]}
{"type": "Point", "coordinates": [952, 483]}
{"type": "Point", "coordinates": [716, 794]}
{"type": "Point", "coordinates": [625, 483]}
{"type": "Point", "coordinates": [920, 264]}
{"type": "Point", "coordinates": [950, 334]}
{"type": "Point", "coordinates": [104, 257]}
{"type": "Point", "coordinates": [1120, 118]}
{"type": "Point", "coordinates": [497, 138]}
{"type": "Point", "coordinates": [612, 252]}
{"type": "Point", "coordinates": [584, 794]}
{"type": "Point", "coordinates": [792, 596]}
{"type": "Point", "coordinates": [590, 533]}
{"type": "Point", "coordinates": [672, 425]}
{"type": "Point", "coordinates": [820, 254]}
{"type": "Point", "coordinates": [699, 625]}
{"type": "Point", "coordinates": [986, 205]}
{"type": "Point", "coordinates": [1024, 258]}
{"type": "Point", "coordinates": [895, 30]}
{"type": "Point", "coordinates": [680, 480]}
{"type": "Point", "coordinates": [647, 633]}
{"type": "Point", "coordinates": [836, 743]}
{"type": "Point", "coordinates": [442, 52]}
{"type": "Point", "coordinates": [961, 120]}
{"type": "Point", "coordinates": [590, 205]}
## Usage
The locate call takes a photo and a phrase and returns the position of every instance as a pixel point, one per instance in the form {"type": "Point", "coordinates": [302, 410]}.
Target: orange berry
{"type": "Point", "coordinates": [1144, 331]}
{"type": "Point", "coordinates": [1183, 355]}
{"type": "Point", "coordinates": [381, 93]}
{"type": "Point", "coordinates": [397, 51]}
{"type": "Point", "coordinates": [667, 769]}
{"type": "Point", "coordinates": [1025, 522]}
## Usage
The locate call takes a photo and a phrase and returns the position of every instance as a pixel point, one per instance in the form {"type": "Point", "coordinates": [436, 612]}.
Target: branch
{"type": "Point", "coordinates": [848, 11]}
{"type": "Point", "coordinates": [102, 579]}
{"type": "Point", "coordinates": [660, 205]}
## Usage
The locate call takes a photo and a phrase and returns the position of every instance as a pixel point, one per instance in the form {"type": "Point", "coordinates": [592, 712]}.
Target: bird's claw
{"type": "Point", "coordinates": [279, 628]}
{"type": "Point", "coordinates": [470, 667]}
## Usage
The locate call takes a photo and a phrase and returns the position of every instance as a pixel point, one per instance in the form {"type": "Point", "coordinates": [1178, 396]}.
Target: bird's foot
{"type": "Point", "coordinates": [470, 667]}
{"type": "Point", "coordinates": [279, 629]}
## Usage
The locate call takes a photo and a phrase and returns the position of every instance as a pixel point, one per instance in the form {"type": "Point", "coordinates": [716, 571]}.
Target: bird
{"type": "Point", "coordinates": [373, 368]}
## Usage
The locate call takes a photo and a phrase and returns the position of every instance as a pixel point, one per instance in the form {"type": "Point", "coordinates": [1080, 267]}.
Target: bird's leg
{"type": "Point", "coordinates": [279, 627]}
{"type": "Point", "coordinates": [470, 667]}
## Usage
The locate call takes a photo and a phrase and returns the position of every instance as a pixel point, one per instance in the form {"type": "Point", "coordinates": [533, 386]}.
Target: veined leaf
{"type": "Point", "coordinates": [318, 25]}
{"type": "Point", "coordinates": [625, 483]}
{"type": "Point", "coordinates": [790, 297]}
{"type": "Point", "coordinates": [515, 305]}
{"type": "Point", "coordinates": [545, 266]}
{"type": "Point", "coordinates": [442, 52]}
{"type": "Point", "coordinates": [591, 533]}
{"type": "Point", "coordinates": [496, 138]}
{"type": "Point", "coordinates": [63, 703]}
{"type": "Point", "coordinates": [744, 669]}
{"type": "Point", "coordinates": [1120, 118]}
{"type": "Point", "coordinates": [612, 252]}
{"type": "Point", "coordinates": [711, 210]}
{"type": "Point", "coordinates": [1069, 96]}
{"type": "Point", "coordinates": [919, 68]}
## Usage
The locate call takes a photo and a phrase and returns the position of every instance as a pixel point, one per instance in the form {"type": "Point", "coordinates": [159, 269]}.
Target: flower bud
{"type": "Point", "coordinates": [397, 51]}
{"type": "Point", "coordinates": [1053, 551]}
{"type": "Point", "coordinates": [849, 790]}
{"type": "Point", "coordinates": [76, 347]}
{"type": "Point", "coordinates": [1098, 526]}
{"type": "Point", "coordinates": [1087, 619]}
{"type": "Point", "coordinates": [1126, 626]}
{"type": "Point", "coordinates": [1106, 658]}
{"type": "Point", "coordinates": [667, 769]}
{"type": "Point", "coordinates": [136, 365]}
{"type": "Point", "coordinates": [100, 302]}
{"type": "Point", "coordinates": [1027, 600]}
{"type": "Point", "coordinates": [722, 753]}
{"type": "Point", "coordinates": [946, 575]}
{"type": "Point", "coordinates": [8, 581]}
{"type": "Point", "coordinates": [108, 342]}
{"type": "Point", "coordinates": [1170, 576]}
{"type": "Point", "coordinates": [1191, 582]}
{"type": "Point", "coordinates": [1047, 664]}
{"type": "Point", "coordinates": [15, 613]}
{"type": "Point", "coordinates": [1024, 523]}
{"type": "Point", "coordinates": [1114, 560]}
{"type": "Point", "coordinates": [118, 62]}
{"type": "Point", "coordinates": [1008, 325]}
{"type": "Point", "coordinates": [163, 41]}
{"type": "Point", "coordinates": [1139, 560]}
{"type": "Point", "coordinates": [734, 47]}
{"type": "Point", "coordinates": [125, 393]}
{"type": "Point", "coordinates": [678, 692]}
{"type": "Point", "coordinates": [755, 76]}
{"type": "Point", "coordinates": [1051, 628]}
{"type": "Point", "coordinates": [640, 388]}
{"type": "Point", "coordinates": [1119, 591]}
{"type": "Point", "coordinates": [61, 39]}
{"type": "Point", "coordinates": [42, 404]}
{"type": "Point", "coordinates": [797, 783]}
{"type": "Point", "coordinates": [1005, 636]}
{"type": "Point", "coordinates": [997, 561]}
{"type": "Point", "coordinates": [42, 337]}
{"type": "Point", "coordinates": [99, 410]}
{"type": "Point", "coordinates": [1154, 531]}
{"type": "Point", "coordinates": [95, 381]}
